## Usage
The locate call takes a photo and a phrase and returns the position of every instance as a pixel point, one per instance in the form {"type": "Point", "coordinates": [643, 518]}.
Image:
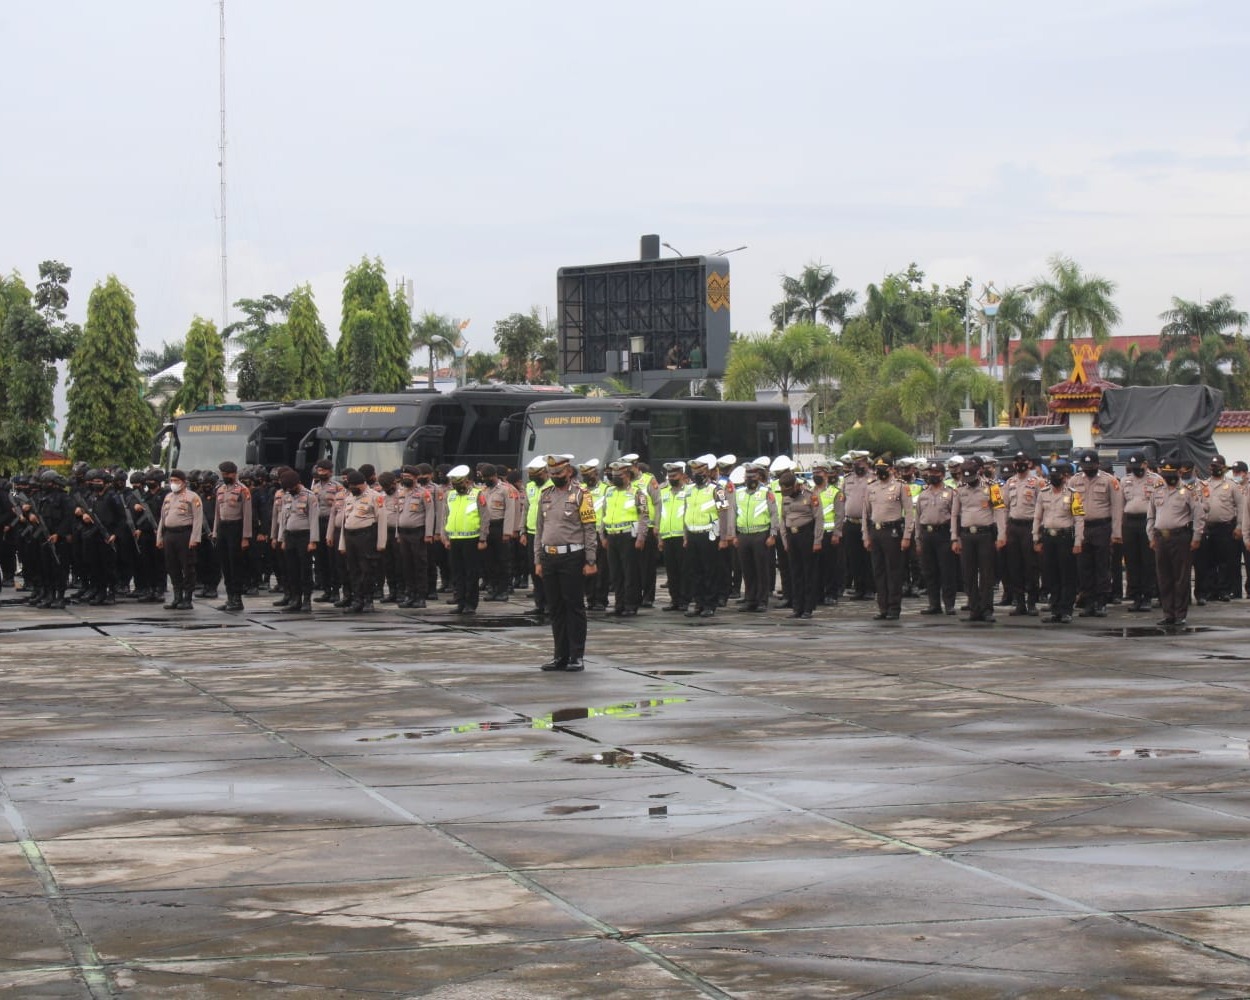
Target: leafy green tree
{"type": "Point", "coordinates": [255, 367]}
{"type": "Point", "coordinates": [480, 366]}
{"type": "Point", "coordinates": [878, 437]}
{"type": "Point", "coordinates": [811, 298]}
{"type": "Point", "coordinates": [358, 368]}
{"type": "Point", "coordinates": [313, 356]}
{"type": "Point", "coordinates": [800, 355]}
{"type": "Point", "coordinates": [108, 420]}
{"type": "Point", "coordinates": [388, 328]}
{"type": "Point", "coordinates": [1033, 370]}
{"type": "Point", "coordinates": [1215, 362]}
{"type": "Point", "coordinates": [863, 338]}
{"type": "Point", "coordinates": [1134, 366]}
{"type": "Point", "coordinates": [1071, 304]}
{"type": "Point", "coordinates": [520, 340]}
{"type": "Point", "coordinates": [896, 309]}
{"type": "Point", "coordinates": [394, 346]}
{"type": "Point", "coordinates": [925, 394]}
{"type": "Point", "coordinates": [204, 375]}
{"type": "Point", "coordinates": [1016, 319]}
{"type": "Point", "coordinates": [33, 338]}
{"type": "Point", "coordinates": [435, 334]}
{"type": "Point", "coordinates": [1187, 323]}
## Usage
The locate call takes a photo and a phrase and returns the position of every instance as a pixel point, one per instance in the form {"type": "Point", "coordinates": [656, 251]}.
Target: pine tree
{"type": "Point", "coordinates": [204, 377]}
{"type": "Point", "coordinates": [313, 355]}
{"type": "Point", "coordinates": [357, 369]}
{"type": "Point", "coordinates": [108, 420]}
{"type": "Point", "coordinates": [388, 326]}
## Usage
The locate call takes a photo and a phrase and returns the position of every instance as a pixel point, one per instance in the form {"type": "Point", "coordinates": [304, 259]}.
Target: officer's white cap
{"type": "Point", "coordinates": [760, 465]}
{"type": "Point", "coordinates": [674, 466]}
{"type": "Point", "coordinates": [725, 461]}
{"type": "Point", "coordinates": [846, 459]}
{"type": "Point", "coordinates": [706, 460]}
{"type": "Point", "coordinates": [906, 460]}
{"type": "Point", "coordinates": [738, 476]}
{"type": "Point", "coordinates": [955, 460]}
{"type": "Point", "coordinates": [859, 454]}
{"type": "Point", "coordinates": [782, 463]}
{"type": "Point", "coordinates": [537, 463]}
{"type": "Point", "coordinates": [762, 460]}
{"type": "Point", "coordinates": [631, 458]}
{"type": "Point", "coordinates": [588, 466]}
{"type": "Point", "coordinates": [459, 472]}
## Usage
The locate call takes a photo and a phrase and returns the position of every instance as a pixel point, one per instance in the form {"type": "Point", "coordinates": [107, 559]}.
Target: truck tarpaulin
{"type": "Point", "coordinates": [1180, 418]}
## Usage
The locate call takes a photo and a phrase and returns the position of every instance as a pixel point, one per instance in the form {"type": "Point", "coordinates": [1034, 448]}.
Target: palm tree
{"type": "Point", "coordinates": [1214, 362]}
{"type": "Point", "coordinates": [480, 366]}
{"type": "Point", "coordinates": [1033, 371]}
{"type": "Point", "coordinates": [810, 298]}
{"type": "Point", "coordinates": [1015, 320]}
{"type": "Point", "coordinates": [437, 335]}
{"type": "Point", "coordinates": [166, 356]}
{"type": "Point", "coordinates": [1134, 366]}
{"type": "Point", "coordinates": [803, 354]}
{"type": "Point", "coordinates": [1187, 323]}
{"type": "Point", "coordinates": [893, 310]}
{"type": "Point", "coordinates": [1071, 304]}
{"type": "Point", "coordinates": [928, 395]}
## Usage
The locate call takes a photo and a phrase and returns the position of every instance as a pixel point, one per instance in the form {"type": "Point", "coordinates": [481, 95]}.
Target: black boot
{"type": "Point", "coordinates": [287, 598]}
{"type": "Point", "coordinates": [329, 597]}
{"type": "Point", "coordinates": [185, 603]}
{"type": "Point", "coordinates": [175, 600]}
{"type": "Point", "coordinates": [58, 601]}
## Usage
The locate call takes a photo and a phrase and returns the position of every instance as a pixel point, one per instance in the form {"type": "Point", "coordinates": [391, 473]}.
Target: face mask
{"type": "Point", "coordinates": [408, 483]}
{"type": "Point", "coordinates": [700, 478]}
{"type": "Point", "coordinates": [883, 473]}
{"type": "Point", "coordinates": [818, 480]}
{"type": "Point", "coordinates": [228, 480]}
{"type": "Point", "coordinates": [618, 482]}
{"type": "Point", "coordinates": [1090, 470]}
{"type": "Point", "coordinates": [1137, 470]}
{"type": "Point", "coordinates": [861, 470]}
{"type": "Point", "coordinates": [1238, 477]}
{"type": "Point", "coordinates": [970, 477]}
{"type": "Point", "coordinates": [1022, 466]}
{"type": "Point", "coordinates": [675, 483]}
{"type": "Point", "coordinates": [492, 480]}
{"type": "Point", "coordinates": [1056, 478]}
{"type": "Point", "coordinates": [176, 486]}
{"type": "Point", "coordinates": [1217, 471]}
{"type": "Point", "coordinates": [462, 488]}
{"type": "Point", "coordinates": [933, 480]}
{"type": "Point", "coordinates": [424, 480]}
{"type": "Point", "coordinates": [357, 490]}
{"type": "Point", "coordinates": [323, 474]}
{"type": "Point", "coordinates": [561, 479]}
{"type": "Point", "coordinates": [1171, 478]}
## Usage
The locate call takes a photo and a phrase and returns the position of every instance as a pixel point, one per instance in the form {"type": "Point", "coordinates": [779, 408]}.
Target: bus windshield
{"type": "Point", "coordinates": [382, 455]}
{"type": "Point", "coordinates": [373, 416]}
{"type": "Point", "coordinates": [204, 442]}
{"type": "Point", "coordinates": [583, 435]}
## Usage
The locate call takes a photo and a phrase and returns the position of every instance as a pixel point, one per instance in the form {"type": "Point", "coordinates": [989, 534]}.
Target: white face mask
{"type": "Point", "coordinates": [176, 486]}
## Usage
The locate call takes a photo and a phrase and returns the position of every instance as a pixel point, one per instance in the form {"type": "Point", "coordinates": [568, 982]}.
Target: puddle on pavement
{"type": "Point", "coordinates": [607, 758]}
{"type": "Point", "coordinates": [487, 621]}
{"type": "Point", "coordinates": [1151, 631]}
{"type": "Point", "coordinates": [1221, 656]}
{"type": "Point", "coordinates": [674, 673]}
{"type": "Point", "coordinates": [131, 623]}
{"type": "Point", "coordinates": [1148, 753]}
{"type": "Point", "coordinates": [568, 810]}
{"type": "Point", "coordinates": [642, 709]}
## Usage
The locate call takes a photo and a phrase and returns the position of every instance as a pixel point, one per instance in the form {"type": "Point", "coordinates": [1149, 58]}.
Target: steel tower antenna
{"type": "Point", "coordinates": [221, 166]}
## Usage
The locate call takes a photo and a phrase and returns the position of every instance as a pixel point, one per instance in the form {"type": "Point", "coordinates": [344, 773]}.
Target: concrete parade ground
{"type": "Point", "coordinates": [212, 805]}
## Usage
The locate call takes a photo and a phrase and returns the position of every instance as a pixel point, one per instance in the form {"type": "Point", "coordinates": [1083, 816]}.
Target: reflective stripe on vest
{"type": "Point", "coordinates": [620, 511]}
{"type": "Point", "coordinates": [753, 510]}
{"type": "Point", "coordinates": [828, 504]}
{"type": "Point", "coordinates": [532, 492]}
{"type": "Point", "coordinates": [464, 516]}
{"type": "Point", "coordinates": [673, 512]}
{"type": "Point", "coordinates": [701, 506]}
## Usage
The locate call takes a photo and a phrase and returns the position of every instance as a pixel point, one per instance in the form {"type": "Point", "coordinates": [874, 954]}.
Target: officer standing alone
{"type": "Point", "coordinates": [565, 541]}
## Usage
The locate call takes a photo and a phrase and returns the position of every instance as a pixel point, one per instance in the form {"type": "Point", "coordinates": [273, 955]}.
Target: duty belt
{"type": "Point", "coordinates": [1090, 521]}
{"type": "Point", "coordinates": [559, 550]}
{"type": "Point", "coordinates": [979, 529]}
{"type": "Point", "coordinates": [1169, 532]}
{"type": "Point", "coordinates": [1141, 517]}
{"type": "Point", "coordinates": [944, 528]}
{"type": "Point", "coordinates": [879, 525]}
{"type": "Point", "coordinates": [463, 534]}
{"type": "Point", "coordinates": [410, 531]}
{"type": "Point", "coordinates": [854, 520]}
{"type": "Point", "coordinates": [1021, 520]}
{"type": "Point", "coordinates": [360, 531]}
{"type": "Point", "coordinates": [1057, 532]}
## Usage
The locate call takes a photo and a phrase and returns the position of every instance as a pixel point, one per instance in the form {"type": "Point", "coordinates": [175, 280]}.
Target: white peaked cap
{"type": "Point", "coordinates": [459, 472]}
{"type": "Point", "coordinates": [856, 453]}
{"type": "Point", "coordinates": [727, 460]}
{"type": "Point", "coordinates": [763, 460]}
{"type": "Point", "coordinates": [782, 463]}
{"type": "Point", "coordinates": [537, 463]}
{"type": "Point", "coordinates": [587, 466]}
{"type": "Point", "coordinates": [708, 460]}
{"type": "Point", "coordinates": [955, 460]}
{"type": "Point", "coordinates": [631, 458]}
{"type": "Point", "coordinates": [739, 475]}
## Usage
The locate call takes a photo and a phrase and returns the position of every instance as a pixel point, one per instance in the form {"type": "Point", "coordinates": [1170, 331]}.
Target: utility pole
{"type": "Point", "coordinates": [221, 167]}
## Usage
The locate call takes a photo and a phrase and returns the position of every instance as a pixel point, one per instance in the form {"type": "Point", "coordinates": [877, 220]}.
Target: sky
{"type": "Point", "coordinates": [477, 147]}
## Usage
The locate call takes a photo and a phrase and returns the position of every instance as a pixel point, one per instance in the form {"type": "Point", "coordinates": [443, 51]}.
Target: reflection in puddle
{"type": "Point", "coordinates": [1151, 631]}
{"type": "Point", "coordinates": [1142, 753]}
{"type": "Point", "coordinates": [642, 709]}
{"type": "Point", "coordinates": [569, 810]}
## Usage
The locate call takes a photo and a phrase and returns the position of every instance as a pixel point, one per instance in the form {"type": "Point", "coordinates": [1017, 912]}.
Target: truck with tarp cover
{"type": "Point", "coordinates": [1158, 421]}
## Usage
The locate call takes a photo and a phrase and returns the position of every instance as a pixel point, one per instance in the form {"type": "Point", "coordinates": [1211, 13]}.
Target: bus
{"type": "Point", "coordinates": [657, 430]}
{"type": "Point", "coordinates": [257, 433]}
{"type": "Point", "coordinates": [475, 424]}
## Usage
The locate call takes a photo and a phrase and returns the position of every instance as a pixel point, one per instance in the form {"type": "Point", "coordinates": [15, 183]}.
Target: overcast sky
{"type": "Point", "coordinates": [476, 147]}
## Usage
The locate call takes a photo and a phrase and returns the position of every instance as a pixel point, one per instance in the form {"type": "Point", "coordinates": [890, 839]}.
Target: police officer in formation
{"type": "Point", "coordinates": [721, 528]}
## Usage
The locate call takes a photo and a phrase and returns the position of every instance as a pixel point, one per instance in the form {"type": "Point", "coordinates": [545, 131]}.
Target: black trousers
{"type": "Point", "coordinates": [363, 561]}
{"type": "Point", "coordinates": [230, 552]}
{"type": "Point", "coordinates": [1217, 570]}
{"type": "Point", "coordinates": [466, 571]}
{"type": "Point", "coordinates": [858, 562]}
{"type": "Point", "coordinates": [565, 585]}
{"type": "Point", "coordinates": [702, 563]}
{"type": "Point", "coordinates": [540, 588]}
{"type": "Point", "coordinates": [804, 578]}
{"type": "Point", "coordinates": [938, 564]}
{"type": "Point", "coordinates": [649, 565]}
{"type": "Point", "coordinates": [149, 563]}
{"type": "Point", "coordinates": [1059, 569]}
{"type": "Point", "coordinates": [101, 561]}
{"type": "Point", "coordinates": [498, 560]}
{"type": "Point", "coordinates": [1020, 562]}
{"type": "Point", "coordinates": [676, 572]}
{"type": "Point", "coordinates": [179, 559]}
{"type": "Point", "coordinates": [755, 557]}
{"type": "Point", "coordinates": [625, 564]}
{"type": "Point", "coordinates": [1139, 562]}
{"type": "Point", "coordinates": [328, 563]}
{"type": "Point", "coordinates": [832, 563]}
{"type": "Point", "coordinates": [887, 567]}
{"type": "Point", "coordinates": [413, 572]}
{"type": "Point", "coordinates": [1173, 561]}
{"type": "Point", "coordinates": [55, 566]}
{"type": "Point", "coordinates": [298, 563]}
{"type": "Point", "coordinates": [1094, 564]}
{"type": "Point", "coordinates": [976, 556]}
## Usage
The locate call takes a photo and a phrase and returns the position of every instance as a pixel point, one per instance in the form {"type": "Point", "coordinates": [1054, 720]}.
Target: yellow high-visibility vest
{"type": "Point", "coordinates": [464, 514]}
